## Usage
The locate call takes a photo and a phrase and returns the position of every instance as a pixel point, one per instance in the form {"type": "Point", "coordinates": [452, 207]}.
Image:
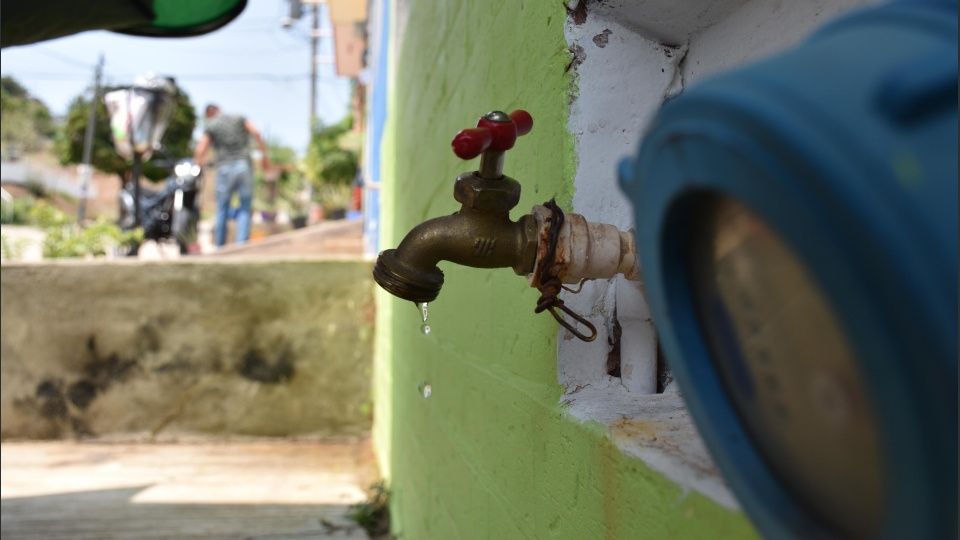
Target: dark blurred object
{"type": "Point", "coordinates": [294, 12]}
{"type": "Point", "coordinates": [172, 213]}
{"type": "Point", "coordinates": [357, 187]}
{"type": "Point", "coordinates": [29, 21]}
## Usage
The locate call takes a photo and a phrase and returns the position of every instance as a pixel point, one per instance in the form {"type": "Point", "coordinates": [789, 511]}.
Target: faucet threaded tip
{"type": "Point", "coordinates": [404, 281]}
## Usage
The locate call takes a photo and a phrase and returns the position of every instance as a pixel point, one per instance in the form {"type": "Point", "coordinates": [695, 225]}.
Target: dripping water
{"type": "Point", "coordinates": [424, 328]}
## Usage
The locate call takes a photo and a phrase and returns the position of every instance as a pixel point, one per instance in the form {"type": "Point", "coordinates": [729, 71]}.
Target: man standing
{"type": "Point", "coordinates": [230, 136]}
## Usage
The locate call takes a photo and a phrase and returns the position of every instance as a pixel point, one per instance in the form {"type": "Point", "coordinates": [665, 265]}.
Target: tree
{"type": "Point", "coordinates": [25, 121]}
{"type": "Point", "coordinates": [176, 140]}
{"type": "Point", "coordinates": [328, 161]}
{"type": "Point", "coordinates": [281, 154]}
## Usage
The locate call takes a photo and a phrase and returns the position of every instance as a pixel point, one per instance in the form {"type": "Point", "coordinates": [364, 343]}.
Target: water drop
{"type": "Point", "coordinates": [424, 328]}
{"type": "Point", "coordinates": [425, 389]}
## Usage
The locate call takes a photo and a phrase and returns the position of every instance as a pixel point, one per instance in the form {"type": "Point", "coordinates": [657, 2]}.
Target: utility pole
{"type": "Point", "coordinates": [86, 168]}
{"type": "Point", "coordinates": [314, 41]}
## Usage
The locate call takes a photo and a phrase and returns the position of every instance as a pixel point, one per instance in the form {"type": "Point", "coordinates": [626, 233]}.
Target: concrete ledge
{"type": "Point", "coordinates": [340, 237]}
{"type": "Point", "coordinates": [271, 348]}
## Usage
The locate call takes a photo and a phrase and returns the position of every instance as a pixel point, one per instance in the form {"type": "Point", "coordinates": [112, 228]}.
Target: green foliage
{"type": "Point", "coordinates": [374, 513]}
{"type": "Point", "coordinates": [69, 143]}
{"type": "Point", "coordinates": [25, 122]}
{"type": "Point", "coordinates": [333, 196]}
{"type": "Point", "coordinates": [327, 161]}
{"type": "Point", "coordinates": [281, 190]}
{"type": "Point", "coordinates": [16, 212]}
{"type": "Point", "coordinates": [93, 240]}
{"type": "Point", "coordinates": [281, 155]}
{"type": "Point", "coordinates": [12, 248]}
{"type": "Point", "coordinates": [12, 88]}
{"type": "Point", "coordinates": [45, 215]}
{"type": "Point", "coordinates": [176, 140]}
{"type": "Point", "coordinates": [63, 237]}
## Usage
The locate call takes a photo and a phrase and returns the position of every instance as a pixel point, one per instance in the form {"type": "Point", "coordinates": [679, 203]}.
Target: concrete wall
{"type": "Point", "coordinates": [496, 424]}
{"type": "Point", "coordinates": [630, 58]}
{"type": "Point", "coordinates": [225, 348]}
{"type": "Point", "coordinates": [491, 450]}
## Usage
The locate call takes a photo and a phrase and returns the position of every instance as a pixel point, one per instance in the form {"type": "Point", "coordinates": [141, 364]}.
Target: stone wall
{"type": "Point", "coordinates": [224, 348]}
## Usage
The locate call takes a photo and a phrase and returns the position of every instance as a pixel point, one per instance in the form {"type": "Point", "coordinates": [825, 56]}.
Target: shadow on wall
{"type": "Point", "coordinates": [246, 348]}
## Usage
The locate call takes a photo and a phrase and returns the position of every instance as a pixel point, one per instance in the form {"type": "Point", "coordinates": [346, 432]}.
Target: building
{"type": "Point", "coordinates": [495, 424]}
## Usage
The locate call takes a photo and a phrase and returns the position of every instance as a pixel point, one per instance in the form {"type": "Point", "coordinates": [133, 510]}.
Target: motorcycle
{"type": "Point", "coordinates": [172, 213]}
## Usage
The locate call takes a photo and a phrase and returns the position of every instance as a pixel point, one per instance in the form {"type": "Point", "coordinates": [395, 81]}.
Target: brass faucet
{"type": "Point", "coordinates": [549, 247]}
{"type": "Point", "coordinates": [481, 233]}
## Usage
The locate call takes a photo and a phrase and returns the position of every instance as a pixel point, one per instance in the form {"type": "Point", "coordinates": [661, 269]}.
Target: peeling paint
{"type": "Point", "coordinates": [601, 39]}
{"type": "Point", "coordinates": [613, 339]}
{"type": "Point", "coordinates": [577, 12]}
{"type": "Point", "coordinates": [678, 57]}
{"type": "Point", "coordinates": [577, 56]}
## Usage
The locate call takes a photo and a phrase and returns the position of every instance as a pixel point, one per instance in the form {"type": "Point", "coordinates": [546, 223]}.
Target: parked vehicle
{"type": "Point", "coordinates": [172, 213]}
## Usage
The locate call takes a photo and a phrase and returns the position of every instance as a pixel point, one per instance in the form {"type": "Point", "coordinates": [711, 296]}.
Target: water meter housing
{"type": "Point", "coordinates": [797, 228]}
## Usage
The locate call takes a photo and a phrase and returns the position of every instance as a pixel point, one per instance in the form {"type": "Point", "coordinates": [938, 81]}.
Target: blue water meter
{"type": "Point", "coordinates": [797, 225]}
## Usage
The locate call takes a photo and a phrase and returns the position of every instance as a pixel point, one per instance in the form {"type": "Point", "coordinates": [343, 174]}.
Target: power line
{"type": "Point", "coordinates": [49, 76]}
{"type": "Point", "coordinates": [248, 52]}
{"type": "Point", "coordinates": [242, 77]}
{"type": "Point", "coordinates": [69, 59]}
{"type": "Point", "coordinates": [65, 58]}
{"type": "Point", "coordinates": [211, 77]}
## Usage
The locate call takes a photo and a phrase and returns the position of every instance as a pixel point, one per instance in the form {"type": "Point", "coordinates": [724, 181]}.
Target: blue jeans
{"type": "Point", "coordinates": [234, 176]}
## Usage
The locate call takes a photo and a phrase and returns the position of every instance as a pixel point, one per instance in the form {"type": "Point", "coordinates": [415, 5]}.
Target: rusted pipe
{"type": "Point", "coordinates": [586, 250]}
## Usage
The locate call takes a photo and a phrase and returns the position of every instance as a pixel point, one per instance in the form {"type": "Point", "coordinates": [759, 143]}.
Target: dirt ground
{"type": "Point", "coordinates": [213, 490]}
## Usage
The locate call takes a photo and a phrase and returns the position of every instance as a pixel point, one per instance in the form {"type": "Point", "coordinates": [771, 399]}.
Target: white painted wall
{"type": "Point", "coordinates": [630, 56]}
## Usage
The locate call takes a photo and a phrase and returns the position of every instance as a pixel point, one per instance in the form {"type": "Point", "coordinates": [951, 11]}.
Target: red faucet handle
{"type": "Point", "coordinates": [471, 142]}
{"type": "Point", "coordinates": [523, 120]}
{"type": "Point", "coordinates": [495, 131]}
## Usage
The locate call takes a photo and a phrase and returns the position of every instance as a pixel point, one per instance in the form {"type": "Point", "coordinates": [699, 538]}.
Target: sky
{"type": "Point", "coordinates": [252, 66]}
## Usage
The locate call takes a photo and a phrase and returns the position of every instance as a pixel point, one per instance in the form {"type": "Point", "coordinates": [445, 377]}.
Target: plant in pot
{"type": "Point", "coordinates": [334, 199]}
{"type": "Point", "coordinates": [277, 190]}
{"type": "Point", "coordinates": [330, 166]}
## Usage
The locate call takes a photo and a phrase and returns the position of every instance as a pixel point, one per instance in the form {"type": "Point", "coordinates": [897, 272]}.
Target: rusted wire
{"type": "Point", "coordinates": [578, 289]}
{"type": "Point", "coordinates": [549, 283]}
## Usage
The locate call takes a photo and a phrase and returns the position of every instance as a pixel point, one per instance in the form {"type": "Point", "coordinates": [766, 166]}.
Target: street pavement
{"type": "Point", "coordinates": [252, 490]}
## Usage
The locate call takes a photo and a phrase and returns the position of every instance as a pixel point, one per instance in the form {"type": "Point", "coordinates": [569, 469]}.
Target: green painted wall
{"type": "Point", "coordinates": [492, 454]}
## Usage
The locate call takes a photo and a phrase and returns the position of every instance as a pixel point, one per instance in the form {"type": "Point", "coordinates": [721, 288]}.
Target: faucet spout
{"type": "Point", "coordinates": [471, 237]}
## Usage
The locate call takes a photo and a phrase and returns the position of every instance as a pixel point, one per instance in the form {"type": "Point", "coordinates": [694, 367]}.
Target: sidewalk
{"type": "Point", "coordinates": [229, 490]}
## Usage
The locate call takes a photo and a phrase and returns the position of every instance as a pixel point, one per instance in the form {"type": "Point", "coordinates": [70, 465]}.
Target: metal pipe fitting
{"type": "Point", "coordinates": [586, 250]}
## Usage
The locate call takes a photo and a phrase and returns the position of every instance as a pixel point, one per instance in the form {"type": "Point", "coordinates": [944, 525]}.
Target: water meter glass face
{"type": "Point", "coordinates": [787, 366]}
